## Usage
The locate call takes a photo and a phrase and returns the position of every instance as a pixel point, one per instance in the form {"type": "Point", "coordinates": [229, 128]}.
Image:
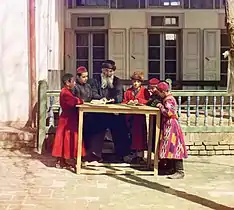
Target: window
{"type": "Point", "coordinates": [166, 3]}
{"type": "Point", "coordinates": [128, 4]}
{"type": "Point", "coordinates": [99, 3]}
{"type": "Point", "coordinates": [90, 21]}
{"type": "Point", "coordinates": [138, 4]}
{"type": "Point", "coordinates": [223, 61]}
{"type": "Point", "coordinates": [198, 4]}
{"type": "Point", "coordinates": [164, 21]}
{"type": "Point", "coordinates": [163, 55]}
{"type": "Point", "coordinates": [91, 50]}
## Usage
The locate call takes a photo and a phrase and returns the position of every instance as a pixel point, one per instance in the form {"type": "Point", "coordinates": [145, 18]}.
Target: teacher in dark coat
{"type": "Point", "coordinates": [108, 86]}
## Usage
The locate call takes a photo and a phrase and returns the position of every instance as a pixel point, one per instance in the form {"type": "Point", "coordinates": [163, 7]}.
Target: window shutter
{"type": "Point", "coordinates": [117, 50]}
{"type": "Point", "coordinates": [191, 54]}
{"type": "Point", "coordinates": [138, 51]}
{"type": "Point", "coordinates": [211, 45]}
{"type": "Point", "coordinates": [69, 51]}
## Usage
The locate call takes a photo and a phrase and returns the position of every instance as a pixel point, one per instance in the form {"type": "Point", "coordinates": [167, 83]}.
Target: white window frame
{"type": "Point", "coordinates": [74, 18]}
{"type": "Point", "coordinates": [162, 52]}
{"type": "Point", "coordinates": [90, 48]}
{"type": "Point", "coordinates": [180, 17]}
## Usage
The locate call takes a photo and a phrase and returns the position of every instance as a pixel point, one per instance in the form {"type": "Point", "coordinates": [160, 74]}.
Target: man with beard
{"type": "Point", "coordinates": [108, 86]}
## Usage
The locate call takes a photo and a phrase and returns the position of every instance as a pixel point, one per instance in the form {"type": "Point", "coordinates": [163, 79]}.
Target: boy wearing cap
{"type": "Point", "coordinates": [135, 95]}
{"type": "Point", "coordinates": [65, 142]}
{"type": "Point", "coordinates": [154, 97]}
{"type": "Point", "coordinates": [93, 137]}
{"type": "Point", "coordinates": [82, 88]}
{"type": "Point", "coordinates": [172, 145]}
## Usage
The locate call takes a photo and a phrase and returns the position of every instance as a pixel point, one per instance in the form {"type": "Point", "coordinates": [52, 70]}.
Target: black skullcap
{"type": "Point", "coordinates": [109, 64]}
{"type": "Point", "coordinates": [66, 77]}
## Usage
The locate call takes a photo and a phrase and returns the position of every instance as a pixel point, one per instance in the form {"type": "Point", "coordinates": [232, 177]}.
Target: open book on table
{"type": "Point", "coordinates": [101, 101]}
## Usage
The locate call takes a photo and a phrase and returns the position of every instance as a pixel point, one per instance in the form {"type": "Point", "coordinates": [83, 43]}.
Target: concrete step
{"type": "Point", "coordinates": [17, 138]}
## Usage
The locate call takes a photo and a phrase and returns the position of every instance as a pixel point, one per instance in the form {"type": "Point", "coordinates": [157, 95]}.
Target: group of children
{"type": "Point", "coordinates": [172, 149]}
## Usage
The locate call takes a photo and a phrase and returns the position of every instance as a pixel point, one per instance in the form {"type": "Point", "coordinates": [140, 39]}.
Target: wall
{"type": "Point", "coordinates": [14, 80]}
{"type": "Point", "coordinates": [14, 53]}
{"type": "Point", "coordinates": [123, 21]}
{"type": "Point", "coordinates": [210, 143]}
{"type": "Point", "coordinates": [50, 40]}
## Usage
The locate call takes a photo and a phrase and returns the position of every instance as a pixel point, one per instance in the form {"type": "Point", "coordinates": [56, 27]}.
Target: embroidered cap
{"type": "Point", "coordinates": [138, 75]}
{"type": "Point", "coordinates": [154, 81]}
{"type": "Point", "coordinates": [81, 70]}
{"type": "Point", "coordinates": [163, 86]}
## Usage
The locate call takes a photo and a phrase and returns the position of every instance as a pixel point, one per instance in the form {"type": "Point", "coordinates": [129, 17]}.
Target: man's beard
{"type": "Point", "coordinates": [107, 82]}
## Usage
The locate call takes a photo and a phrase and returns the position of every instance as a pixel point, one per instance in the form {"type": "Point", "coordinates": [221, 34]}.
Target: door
{"type": "Point", "coordinates": [91, 51]}
{"type": "Point", "coordinates": [163, 55]}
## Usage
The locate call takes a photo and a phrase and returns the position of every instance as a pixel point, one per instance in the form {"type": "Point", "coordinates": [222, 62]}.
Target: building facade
{"type": "Point", "coordinates": [176, 39]}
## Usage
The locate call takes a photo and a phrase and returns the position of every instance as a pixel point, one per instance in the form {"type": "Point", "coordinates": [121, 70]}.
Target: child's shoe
{"type": "Point", "coordinates": [177, 175]}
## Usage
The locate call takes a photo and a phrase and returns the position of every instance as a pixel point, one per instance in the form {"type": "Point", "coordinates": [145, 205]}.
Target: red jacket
{"type": "Point", "coordinates": [142, 96]}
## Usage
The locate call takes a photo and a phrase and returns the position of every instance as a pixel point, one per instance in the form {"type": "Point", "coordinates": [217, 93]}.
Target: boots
{"type": "Point", "coordinates": [179, 170]}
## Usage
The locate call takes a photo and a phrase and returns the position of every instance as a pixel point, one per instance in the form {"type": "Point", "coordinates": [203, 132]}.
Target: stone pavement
{"type": "Point", "coordinates": [28, 182]}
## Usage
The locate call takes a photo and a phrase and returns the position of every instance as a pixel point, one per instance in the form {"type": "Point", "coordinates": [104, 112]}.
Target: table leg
{"type": "Point", "coordinates": [150, 139]}
{"type": "Point", "coordinates": [80, 138]}
{"type": "Point", "coordinates": [157, 134]}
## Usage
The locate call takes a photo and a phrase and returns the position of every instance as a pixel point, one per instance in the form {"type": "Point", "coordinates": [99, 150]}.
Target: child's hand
{"type": "Point", "coordinates": [159, 105]}
{"type": "Point", "coordinates": [131, 102]}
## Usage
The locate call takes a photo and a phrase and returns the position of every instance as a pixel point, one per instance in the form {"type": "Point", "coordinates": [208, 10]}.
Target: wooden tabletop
{"type": "Point", "coordinates": [118, 108]}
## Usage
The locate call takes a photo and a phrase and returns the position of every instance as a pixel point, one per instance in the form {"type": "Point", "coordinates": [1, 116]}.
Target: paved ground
{"type": "Point", "coordinates": [28, 182]}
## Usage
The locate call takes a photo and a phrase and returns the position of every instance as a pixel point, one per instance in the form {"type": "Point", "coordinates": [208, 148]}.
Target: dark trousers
{"type": "Point", "coordinates": [94, 133]}
{"type": "Point", "coordinates": [171, 164]}
{"type": "Point", "coordinates": [119, 131]}
{"type": "Point", "coordinates": [95, 126]}
{"type": "Point", "coordinates": [178, 165]}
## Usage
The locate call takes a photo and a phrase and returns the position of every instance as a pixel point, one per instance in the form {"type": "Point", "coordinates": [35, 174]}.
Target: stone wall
{"type": "Point", "coordinates": [17, 138]}
{"type": "Point", "coordinates": [198, 144]}
{"type": "Point", "coordinates": [210, 143]}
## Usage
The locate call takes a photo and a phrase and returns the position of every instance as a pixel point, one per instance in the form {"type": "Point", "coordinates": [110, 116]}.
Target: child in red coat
{"type": "Point", "coordinates": [65, 142]}
{"type": "Point", "coordinates": [137, 95]}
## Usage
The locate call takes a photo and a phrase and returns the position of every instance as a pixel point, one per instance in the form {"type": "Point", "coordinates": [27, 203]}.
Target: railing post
{"type": "Point", "coordinates": [188, 110]}
{"type": "Point", "coordinates": [221, 110]}
{"type": "Point", "coordinates": [206, 111]}
{"type": "Point", "coordinates": [230, 111]}
{"type": "Point", "coordinates": [197, 111]}
{"type": "Point", "coordinates": [51, 112]}
{"type": "Point", "coordinates": [42, 110]}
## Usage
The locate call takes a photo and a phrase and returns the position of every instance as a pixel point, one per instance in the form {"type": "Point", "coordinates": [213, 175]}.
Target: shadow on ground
{"type": "Point", "coordinates": [136, 180]}
{"type": "Point", "coordinates": [48, 161]}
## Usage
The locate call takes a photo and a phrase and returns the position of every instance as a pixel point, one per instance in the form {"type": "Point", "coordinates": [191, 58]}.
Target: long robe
{"type": "Point", "coordinates": [172, 145]}
{"type": "Point", "coordinates": [137, 123]}
{"type": "Point", "coordinates": [116, 123]}
{"type": "Point", "coordinates": [65, 142]}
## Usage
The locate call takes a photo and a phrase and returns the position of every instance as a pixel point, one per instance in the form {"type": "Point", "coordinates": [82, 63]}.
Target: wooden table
{"type": "Point", "coordinates": [121, 109]}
